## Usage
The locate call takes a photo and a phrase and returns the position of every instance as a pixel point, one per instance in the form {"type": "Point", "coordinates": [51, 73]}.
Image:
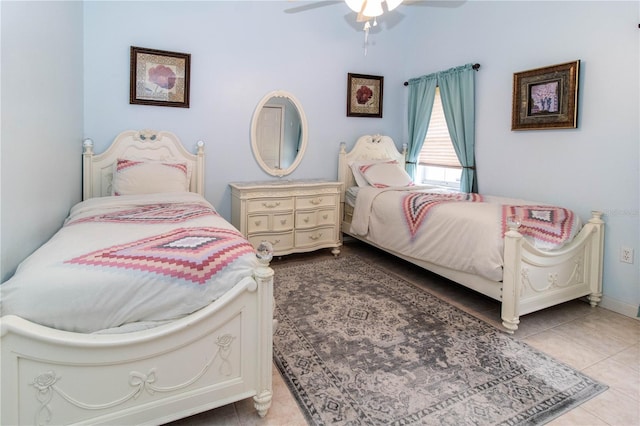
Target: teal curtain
{"type": "Point", "coordinates": [457, 93]}
{"type": "Point", "coordinates": [422, 92]}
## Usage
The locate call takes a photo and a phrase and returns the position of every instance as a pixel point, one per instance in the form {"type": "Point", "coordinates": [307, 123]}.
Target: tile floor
{"type": "Point", "coordinates": [600, 343]}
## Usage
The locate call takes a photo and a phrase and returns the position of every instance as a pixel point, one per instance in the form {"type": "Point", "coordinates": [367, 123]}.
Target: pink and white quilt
{"type": "Point", "coordinates": [130, 262]}
{"type": "Point", "coordinates": [463, 232]}
{"type": "Point", "coordinates": [548, 227]}
{"type": "Point", "coordinates": [417, 205]}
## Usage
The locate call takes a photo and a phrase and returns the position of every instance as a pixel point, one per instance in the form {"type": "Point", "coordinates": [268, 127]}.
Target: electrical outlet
{"type": "Point", "coordinates": [626, 254]}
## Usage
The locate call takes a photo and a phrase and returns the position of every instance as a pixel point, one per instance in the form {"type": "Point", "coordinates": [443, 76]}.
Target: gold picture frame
{"type": "Point", "coordinates": [546, 98]}
{"type": "Point", "coordinates": [159, 77]}
{"type": "Point", "coordinates": [364, 95]}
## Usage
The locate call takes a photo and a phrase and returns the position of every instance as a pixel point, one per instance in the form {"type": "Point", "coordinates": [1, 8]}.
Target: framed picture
{"type": "Point", "coordinates": [364, 95]}
{"type": "Point", "coordinates": [159, 78]}
{"type": "Point", "coordinates": [546, 98]}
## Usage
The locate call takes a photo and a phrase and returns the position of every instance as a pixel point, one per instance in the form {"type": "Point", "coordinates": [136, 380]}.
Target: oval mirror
{"type": "Point", "coordinates": [278, 133]}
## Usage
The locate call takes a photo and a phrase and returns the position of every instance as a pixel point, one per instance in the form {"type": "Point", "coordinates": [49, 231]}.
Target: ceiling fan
{"type": "Point", "coordinates": [368, 10]}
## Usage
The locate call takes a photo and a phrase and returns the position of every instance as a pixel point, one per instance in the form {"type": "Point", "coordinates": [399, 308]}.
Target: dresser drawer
{"type": "Point", "coordinates": [313, 237]}
{"type": "Point", "coordinates": [309, 219]}
{"type": "Point", "coordinates": [315, 201]}
{"type": "Point", "coordinates": [269, 204]}
{"type": "Point", "coordinates": [257, 223]}
{"type": "Point", "coordinates": [281, 241]}
{"type": "Point", "coordinates": [282, 222]}
{"type": "Point", "coordinates": [269, 222]}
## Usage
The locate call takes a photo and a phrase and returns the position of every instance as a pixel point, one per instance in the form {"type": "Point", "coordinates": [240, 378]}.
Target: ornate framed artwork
{"type": "Point", "coordinates": [364, 95]}
{"type": "Point", "coordinates": [159, 77]}
{"type": "Point", "coordinates": [546, 98]}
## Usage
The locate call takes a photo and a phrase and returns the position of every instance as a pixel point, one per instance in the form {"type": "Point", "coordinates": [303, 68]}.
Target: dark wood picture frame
{"type": "Point", "coordinates": [546, 98]}
{"type": "Point", "coordinates": [364, 95]}
{"type": "Point", "coordinates": [159, 77]}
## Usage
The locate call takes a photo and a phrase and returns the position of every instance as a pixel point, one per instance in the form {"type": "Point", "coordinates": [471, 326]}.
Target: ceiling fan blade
{"type": "Point", "coordinates": [311, 6]}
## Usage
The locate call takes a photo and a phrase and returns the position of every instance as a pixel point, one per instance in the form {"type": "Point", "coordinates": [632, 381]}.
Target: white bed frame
{"type": "Point", "coordinates": [532, 279]}
{"type": "Point", "coordinates": [216, 356]}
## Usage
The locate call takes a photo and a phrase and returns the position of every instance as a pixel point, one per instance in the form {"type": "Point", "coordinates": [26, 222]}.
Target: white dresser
{"type": "Point", "coordinates": [294, 215]}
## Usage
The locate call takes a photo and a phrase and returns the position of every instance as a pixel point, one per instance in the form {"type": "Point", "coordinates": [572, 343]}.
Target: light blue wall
{"type": "Point", "coordinates": [243, 50]}
{"type": "Point", "coordinates": [41, 46]}
{"type": "Point", "coordinates": [240, 51]}
{"type": "Point", "coordinates": [594, 167]}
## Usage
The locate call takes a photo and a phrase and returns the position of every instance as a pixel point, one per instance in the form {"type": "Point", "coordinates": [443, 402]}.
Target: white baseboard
{"type": "Point", "coordinates": [623, 308]}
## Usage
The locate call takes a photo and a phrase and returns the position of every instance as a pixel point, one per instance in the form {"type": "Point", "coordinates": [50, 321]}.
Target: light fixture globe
{"type": "Point", "coordinates": [371, 8]}
{"type": "Point", "coordinates": [355, 5]}
{"type": "Point", "coordinates": [368, 9]}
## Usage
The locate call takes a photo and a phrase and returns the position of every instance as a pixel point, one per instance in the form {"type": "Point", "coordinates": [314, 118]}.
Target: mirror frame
{"type": "Point", "coordinates": [304, 133]}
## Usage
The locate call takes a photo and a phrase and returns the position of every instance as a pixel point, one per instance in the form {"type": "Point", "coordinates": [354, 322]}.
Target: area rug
{"type": "Point", "coordinates": [360, 346]}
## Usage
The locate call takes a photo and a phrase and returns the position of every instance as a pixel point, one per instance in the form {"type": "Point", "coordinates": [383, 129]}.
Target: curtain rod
{"type": "Point", "coordinates": [474, 66]}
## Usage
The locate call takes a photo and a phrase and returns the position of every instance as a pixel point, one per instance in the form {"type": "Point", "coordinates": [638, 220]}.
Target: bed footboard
{"type": "Point", "coordinates": [535, 279]}
{"type": "Point", "coordinates": [216, 356]}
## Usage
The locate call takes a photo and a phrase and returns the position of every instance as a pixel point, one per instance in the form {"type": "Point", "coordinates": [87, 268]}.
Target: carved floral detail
{"type": "Point", "coordinates": [576, 277]}
{"type": "Point", "coordinates": [46, 383]}
{"type": "Point", "coordinates": [224, 350]}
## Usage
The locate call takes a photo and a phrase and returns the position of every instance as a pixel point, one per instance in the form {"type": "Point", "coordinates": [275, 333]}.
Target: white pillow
{"type": "Point", "coordinates": [132, 176]}
{"type": "Point", "coordinates": [382, 175]}
{"type": "Point", "coordinates": [355, 169]}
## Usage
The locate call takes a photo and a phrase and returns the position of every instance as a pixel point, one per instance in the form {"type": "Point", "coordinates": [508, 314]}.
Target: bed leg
{"type": "Point", "coordinates": [594, 299]}
{"type": "Point", "coordinates": [512, 325]}
{"type": "Point", "coordinates": [597, 250]}
{"type": "Point", "coordinates": [510, 312]}
{"type": "Point", "coordinates": [262, 403]}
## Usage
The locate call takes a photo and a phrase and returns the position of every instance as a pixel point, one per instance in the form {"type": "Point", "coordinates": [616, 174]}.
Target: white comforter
{"type": "Point", "coordinates": [463, 236]}
{"type": "Point", "coordinates": [129, 262]}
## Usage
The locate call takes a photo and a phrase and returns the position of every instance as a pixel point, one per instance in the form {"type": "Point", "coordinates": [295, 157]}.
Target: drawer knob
{"type": "Point", "coordinates": [306, 219]}
{"type": "Point", "coordinates": [315, 237]}
{"type": "Point", "coordinates": [316, 201]}
{"type": "Point", "coordinates": [257, 222]}
{"type": "Point", "coordinates": [271, 205]}
{"type": "Point", "coordinates": [283, 221]}
{"type": "Point", "coordinates": [324, 216]}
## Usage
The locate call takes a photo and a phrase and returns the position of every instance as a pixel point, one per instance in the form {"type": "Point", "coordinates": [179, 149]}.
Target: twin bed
{"type": "Point", "coordinates": [146, 307]}
{"type": "Point", "coordinates": [529, 256]}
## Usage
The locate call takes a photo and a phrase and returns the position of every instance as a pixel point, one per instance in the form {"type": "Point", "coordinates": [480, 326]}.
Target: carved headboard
{"type": "Point", "coordinates": [97, 170]}
{"type": "Point", "coordinates": [367, 147]}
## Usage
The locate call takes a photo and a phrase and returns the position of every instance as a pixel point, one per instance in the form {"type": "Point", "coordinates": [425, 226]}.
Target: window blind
{"type": "Point", "coordinates": [437, 149]}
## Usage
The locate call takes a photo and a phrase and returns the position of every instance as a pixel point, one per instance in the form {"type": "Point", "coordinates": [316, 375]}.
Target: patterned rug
{"type": "Point", "coordinates": [359, 346]}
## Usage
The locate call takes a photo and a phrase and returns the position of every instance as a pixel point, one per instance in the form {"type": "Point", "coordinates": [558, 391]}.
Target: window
{"type": "Point", "coordinates": [438, 163]}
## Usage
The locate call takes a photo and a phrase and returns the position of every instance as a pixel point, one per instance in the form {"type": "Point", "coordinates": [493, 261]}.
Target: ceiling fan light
{"type": "Point", "coordinates": [373, 8]}
{"type": "Point", "coordinates": [392, 4]}
{"type": "Point", "coordinates": [355, 5]}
